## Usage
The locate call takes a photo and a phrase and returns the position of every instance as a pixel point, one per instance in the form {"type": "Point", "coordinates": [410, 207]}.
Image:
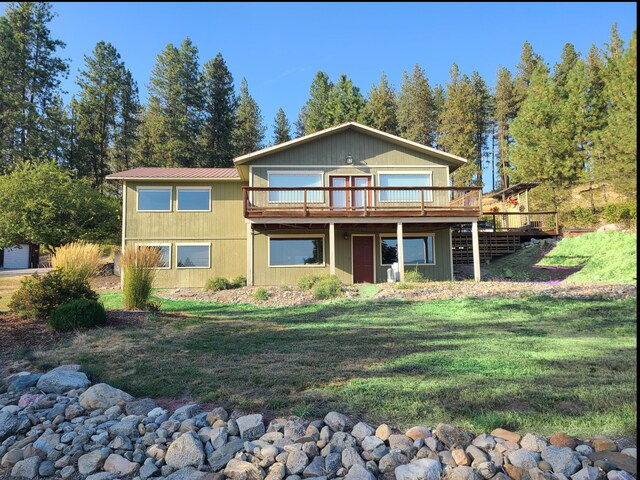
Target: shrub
{"type": "Point", "coordinates": [78, 260]}
{"type": "Point", "coordinates": [582, 217]}
{"type": "Point", "coordinates": [220, 283]}
{"type": "Point", "coordinates": [39, 295]}
{"type": "Point", "coordinates": [154, 306]}
{"type": "Point", "coordinates": [81, 313]}
{"type": "Point", "coordinates": [139, 270]}
{"type": "Point", "coordinates": [216, 284]}
{"type": "Point", "coordinates": [327, 287]}
{"type": "Point", "coordinates": [285, 288]}
{"type": "Point", "coordinates": [261, 294]}
{"type": "Point", "coordinates": [413, 276]}
{"type": "Point", "coordinates": [308, 281]}
{"type": "Point", "coordinates": [625, 213]}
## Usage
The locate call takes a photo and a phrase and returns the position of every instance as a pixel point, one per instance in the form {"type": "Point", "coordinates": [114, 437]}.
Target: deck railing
{"type": "Point", "coordinates": [531, 222]}
{"type": "Point", "coordinates": [362, 201]}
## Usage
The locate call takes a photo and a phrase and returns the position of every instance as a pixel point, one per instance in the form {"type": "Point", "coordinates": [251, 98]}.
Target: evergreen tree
{"type": "Point", "coordinates": [299, 125]}
{"type": "Point", "coordinates": [314, 114]}
{"type": "Point", "coordinates": [618, 138]}
{"type": "Point", "coordinates": [174, 111]}
{"type": "Point", "coordinates": [30, 76]}
{"type": "Point", "coordinates": [281, 128]}
{"type": "Point", "coordinates": [439, 97]}
{"type": "Point", "coordinates": [220, 105]}
{"type": "Point", "coordinates": [544, 133]}
{"type": "Point", "coordinates": [568, 60]}
{"type": "Point", "coordinates": [417, 116]}
{"type": "Point", "coordinates": [482, 107]}
{"type": "Point", "coordinates": [127, 123]}
{"type": "Point", "coordinates": [529, 62]}
{"type": "Point", "coordinates": [346, 103]}
{"type": "Point", "coordinates": [504, 113]}
{"type": "Point", "coordinates": [249, 132]}
{"type": "Point", "coordinates": [458, 125]}
{"type": "Point", "coordinates": [382, 109]}
{"type": "Point", "coordinates": [97, 111]}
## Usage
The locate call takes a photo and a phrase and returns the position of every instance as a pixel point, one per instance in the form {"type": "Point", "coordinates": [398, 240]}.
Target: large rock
{"type": "Point", "coordinates": [296, 462]}
{"type": "Point", "coordinates": [120, 465]}
{"type": "Point", "coordinates": [62, 379]}
{"type": "Point", "coordinates": [619, 475]}
{"type": "Point", "coordinates": [532, 442]}
{"type": "Point", "coordinates": [362, 430]}
{"type": "Point", "coordinates": [422, 469]}
{"type": "Point", "coordinates": [358, 472]}
{"type": "Point", "coordinates": [218, 459]}
{"type": "Point", "coordinates": [218, 436]}
{"type": "Point", "coordinates": [27, 468]}
{"type": "Point", "coordinates": [92, 461]}
{"type": "Point", "coordinates": [453, 436]}
{"type": "Point", "coordinates": [524, 458]}
{"type": "Point", "coordinates": [587, 473]}
{"type": "Point", "coordinates": [338, 422]}
{"type": "Point", "coordinates": [22, 382]}
{"type": "Point", "coordinates": [251, 426]}
{"type": "Point", "coordinates": [8, 425]}
{"type": "Point", "coordinates": [315, 468]}
{"type": "Point", "coordinates": [104, 396]}
{"type": "Point", "coordinates": [463, 473]}
{"type": "Point", "coordinates": [351, 457]}
{"type": "Point", "coordinates": [47, 442]}
{"type": "Point", "coordinates": [239, 470]}
{"type": "Point", "coordinates": [186, 451]}
{"type": "Point", "coordinates": [562, 459]}
{"type": "Point", "coordinates": [184, 413]}
{"type": "Point", "coordinates": [619, 460]}
{"type": "Point", "coordinates": [188, 473]}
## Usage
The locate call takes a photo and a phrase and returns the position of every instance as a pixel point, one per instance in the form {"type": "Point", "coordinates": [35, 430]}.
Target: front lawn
{"type": "Point", "coordinates": [532, 364]}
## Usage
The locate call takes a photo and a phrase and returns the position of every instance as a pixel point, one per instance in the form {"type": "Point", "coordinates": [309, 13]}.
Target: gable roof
{"type": "Point", "coordinates": [403, 142]}
{"type": "Point", "coordinates": [157, 173]}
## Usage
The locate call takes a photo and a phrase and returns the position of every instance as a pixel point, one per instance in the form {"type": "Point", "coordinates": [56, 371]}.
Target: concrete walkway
{"type": "Point", "coordinates": [21, 272]}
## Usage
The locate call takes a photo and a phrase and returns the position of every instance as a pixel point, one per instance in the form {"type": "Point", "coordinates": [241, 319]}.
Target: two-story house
{"type": "Point", "coordinates": [349, 200]}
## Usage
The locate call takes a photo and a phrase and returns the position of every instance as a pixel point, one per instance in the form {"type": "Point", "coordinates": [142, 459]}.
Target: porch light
{"type": "Point", "coordinates": [346, 236]}
{"type": "Point", "coordinates": [349, 159]}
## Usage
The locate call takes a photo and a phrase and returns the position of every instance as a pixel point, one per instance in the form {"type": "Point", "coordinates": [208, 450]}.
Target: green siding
{"type": "Point", "coordinates": [265, 275]}
{"type": "Point", "coordinates": [224, 227]}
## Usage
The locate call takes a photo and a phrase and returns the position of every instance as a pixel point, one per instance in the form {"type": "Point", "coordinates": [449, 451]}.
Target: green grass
{"type": "Point", "coordinates": [518, 265]}
{"type": "Point", "coordinates": [531, 364]}
{"type": "Point", "coordinates": [604, 257]}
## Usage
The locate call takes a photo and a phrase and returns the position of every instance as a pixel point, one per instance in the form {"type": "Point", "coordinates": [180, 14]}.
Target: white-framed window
{"type": "Point", "coordinates": [300, 180]}
{"type": "Point", "coordinates": [296, 251]}
{"type": "Point", "coordinates": [154, 199]}
{"type": "Point", "coordinates": [193, 255]}
{"type": "Point", "coordinates": [193, 199]}
{"type": "Point", "coordinates": [165, 252]}
{"type": "Point", "coordinates": [404, 179]}
{"type": "Point", "coordinates": [418, 249]}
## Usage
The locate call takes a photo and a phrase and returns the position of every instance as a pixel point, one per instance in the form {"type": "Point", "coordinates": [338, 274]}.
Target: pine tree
{"type": "Point", "coordinates": [97, 110]}
{"type": "Point", "coordinates": [568, 60]}
{"type": "Point", "coordinates": [458, 125]}
{"type": "Point", "coordinates": [249, 132]}
{"type": "Point", "coordinates": [299, 126]}
{"type": "Point", "coordinates": [439, 97]}
{"type": "Point", "coordinates": [315, 112]}
{"type": "Point", "coordinates": [529, 62]}
{"type": "Point", "coordinates": [382, 109]}
{"type": "Point", "coordinates": [281, 128]}
{"type": "Point", "coordinates": [417, 116]}
{"type": "Point", "coordinates": [346, 103]}
{"type": "Point", "coordinates": [175, 107]}
{"type": "Point", "coordinates": [618, 138]}
{"type": "Point", "coordinates": [504, 113]}
{"type": "Point", "coordinates": [30, 76]}
{"type": "Point", "coordinates": [482, 118]}
{"type": "Point", "coordinates": [544, 135]}
{"type": "Point", "coordinates": [220, 105]}
{"type": "Point", "coordinates": [127, 123]}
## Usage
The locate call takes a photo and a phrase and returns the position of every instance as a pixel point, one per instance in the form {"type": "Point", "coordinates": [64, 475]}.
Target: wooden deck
{"type": "Point", "coordinates": [348, 202]}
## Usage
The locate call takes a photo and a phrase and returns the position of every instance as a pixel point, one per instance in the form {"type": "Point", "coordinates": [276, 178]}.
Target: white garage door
{"type": "Point", "coordinates": [16, 257]}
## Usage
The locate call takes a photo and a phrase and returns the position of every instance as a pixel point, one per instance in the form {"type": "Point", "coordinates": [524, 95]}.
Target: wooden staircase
{"type": "Point", "coordinates": [492, 245]}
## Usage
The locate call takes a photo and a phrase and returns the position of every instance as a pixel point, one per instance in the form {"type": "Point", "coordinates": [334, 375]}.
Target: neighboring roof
{"type": "Point", "coordinates": [453, 159]}
{"type": "Point", "coordinates": [514, 190]}
{"type": "Point", "coordinates": [157, 173]}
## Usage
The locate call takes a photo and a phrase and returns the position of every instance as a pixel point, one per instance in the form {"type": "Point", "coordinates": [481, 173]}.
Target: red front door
{"type": "Point", "coordinates": [362, 255]}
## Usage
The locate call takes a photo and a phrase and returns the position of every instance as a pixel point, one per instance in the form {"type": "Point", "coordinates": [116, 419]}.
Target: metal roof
{"type": "Point", "coordinates": [158, 173]}
{"type": "Point", "coordinates": [514, 190]}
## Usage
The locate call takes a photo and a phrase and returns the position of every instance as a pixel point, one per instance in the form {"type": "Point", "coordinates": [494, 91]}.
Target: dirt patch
{"type": "Point", "coordinates": [277, 296]}
{"type": "Point", "coordinates": [106, 282]}
{"type": "Point", "coordinates": [446, 290]}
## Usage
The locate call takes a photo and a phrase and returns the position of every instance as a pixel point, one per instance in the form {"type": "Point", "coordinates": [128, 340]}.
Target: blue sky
{"type": "Point", "coordinates": [279, 47]}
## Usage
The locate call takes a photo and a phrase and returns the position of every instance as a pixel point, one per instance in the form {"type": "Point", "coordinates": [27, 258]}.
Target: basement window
{"type": "Point", "coordinates": [193, 255]}
{"type": "Point", "coordinates": [296, 252]}
{"type": "Point", "coordinates": [418, 250]}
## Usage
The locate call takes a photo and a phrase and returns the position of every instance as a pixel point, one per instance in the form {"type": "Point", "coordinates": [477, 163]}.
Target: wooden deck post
{"type": "Point", "coordinates": [332, 248]}
{"type": "Point", "coordinates": [249, 255]}
{"type": "Point", "coordinates": [400, 240]}
{"type": "Point", "coordinates": [475, 246]}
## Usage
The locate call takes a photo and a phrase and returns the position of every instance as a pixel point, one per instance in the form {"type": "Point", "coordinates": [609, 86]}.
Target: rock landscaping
{"type": "Point", "coordinates": [58, 425]}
